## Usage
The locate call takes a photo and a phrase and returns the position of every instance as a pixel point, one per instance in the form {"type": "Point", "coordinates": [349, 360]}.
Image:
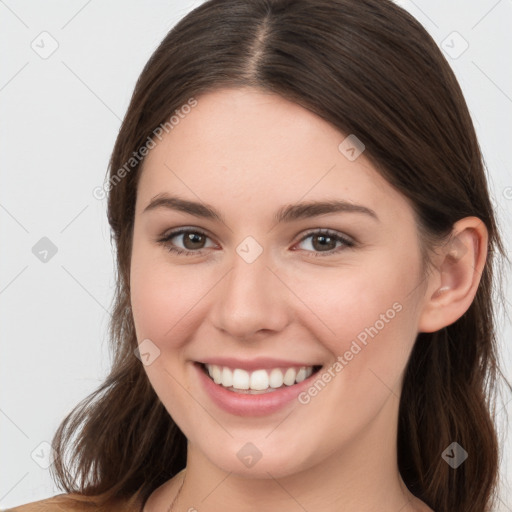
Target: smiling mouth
{"type": "Point", "coordinates": [258, 381]}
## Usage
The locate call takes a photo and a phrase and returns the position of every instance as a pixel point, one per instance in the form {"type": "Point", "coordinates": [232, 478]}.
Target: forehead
{"type": "Point", "coordinates": [240, 147]}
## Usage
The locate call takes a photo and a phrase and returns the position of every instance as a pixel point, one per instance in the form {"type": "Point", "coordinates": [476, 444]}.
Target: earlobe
{"type": "Point", "coordinates": [455, 281]}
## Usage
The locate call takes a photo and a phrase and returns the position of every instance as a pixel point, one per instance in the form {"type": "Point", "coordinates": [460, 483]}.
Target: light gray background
{"type": "Point", "coordinates": [59, 119]}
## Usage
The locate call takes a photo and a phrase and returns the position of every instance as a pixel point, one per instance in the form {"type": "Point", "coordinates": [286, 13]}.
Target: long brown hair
{"type": "Point", "coordinates": [370, 69]}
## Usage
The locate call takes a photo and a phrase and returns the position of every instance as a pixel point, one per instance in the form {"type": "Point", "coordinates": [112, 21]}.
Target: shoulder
{"type": "Point", "coordinates": [76, 503]}
{"type": "Point", "coordinates": [61, 502]}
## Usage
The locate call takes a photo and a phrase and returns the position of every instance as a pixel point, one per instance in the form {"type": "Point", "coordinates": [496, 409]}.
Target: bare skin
{"type": "Point", "coordinates": [248, 153]}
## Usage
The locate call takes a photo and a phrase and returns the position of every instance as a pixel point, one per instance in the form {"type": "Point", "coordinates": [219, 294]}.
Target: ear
{"type": "Point", "coordinates": [454, 282]}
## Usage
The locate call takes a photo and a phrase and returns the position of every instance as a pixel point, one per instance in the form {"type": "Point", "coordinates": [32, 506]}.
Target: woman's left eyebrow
{"type": "Point", "coordinates": [286, 213]}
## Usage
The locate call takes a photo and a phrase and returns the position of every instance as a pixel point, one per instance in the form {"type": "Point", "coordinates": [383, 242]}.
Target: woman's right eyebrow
{"type": "Point", "coordinates": [286, 213]}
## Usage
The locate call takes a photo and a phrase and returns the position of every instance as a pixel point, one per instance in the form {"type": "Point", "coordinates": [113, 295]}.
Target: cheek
{"type": "Point", "coordinates": [365, 316]}
{"type": "Point", "coordinates": [163, 296]}
{"type": "Point", "coordinates": [371, 316]}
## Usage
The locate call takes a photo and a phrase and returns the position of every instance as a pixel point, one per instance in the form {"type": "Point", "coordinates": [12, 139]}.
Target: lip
{"type": "Point", "coordinates": [262, 363]}
{"type": "Point", "coordinates": [242, 404]}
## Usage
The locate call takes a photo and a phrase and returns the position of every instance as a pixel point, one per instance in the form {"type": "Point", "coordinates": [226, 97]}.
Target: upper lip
{"type": "Point", "coordinates": [260, 363]}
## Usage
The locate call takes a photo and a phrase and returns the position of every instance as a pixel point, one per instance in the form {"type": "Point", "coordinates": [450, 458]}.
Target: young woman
{"type": "Point", "coordinates": [305, 243]}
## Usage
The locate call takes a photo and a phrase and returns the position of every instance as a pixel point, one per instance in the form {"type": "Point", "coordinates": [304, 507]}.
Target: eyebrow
{"type": "Point", "coordinates": [287, 213]}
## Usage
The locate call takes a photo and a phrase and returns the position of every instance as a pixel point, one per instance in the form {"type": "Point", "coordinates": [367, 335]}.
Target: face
{"type": "Point", "coordinates": [256, 287]}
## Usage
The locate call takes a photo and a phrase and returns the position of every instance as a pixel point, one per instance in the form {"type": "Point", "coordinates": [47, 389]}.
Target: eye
{"type": "Point", "coordinates": [192, 239]}
{"type": "Point", "coordinates": [324, 242]}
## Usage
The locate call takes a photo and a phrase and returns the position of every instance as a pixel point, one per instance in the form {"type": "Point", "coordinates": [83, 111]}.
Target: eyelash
{"type": "Point", "coordinates": [165, 241]}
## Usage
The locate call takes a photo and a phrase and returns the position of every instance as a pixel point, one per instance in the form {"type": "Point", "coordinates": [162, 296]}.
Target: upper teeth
{"type": "Point", "coordinates": [259, 379]}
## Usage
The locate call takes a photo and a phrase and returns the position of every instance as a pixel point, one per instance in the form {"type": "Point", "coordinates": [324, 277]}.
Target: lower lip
{"type": "Point", "coordinates": [243, 404]}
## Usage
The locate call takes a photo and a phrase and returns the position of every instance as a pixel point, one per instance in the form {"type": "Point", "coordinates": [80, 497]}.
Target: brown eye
{"type": "Point", "coordinates": [321, 242]}
{"type": "Point", "coordinates": [192, 240]}
{"type": "Point", "coordinates": [326, 242]}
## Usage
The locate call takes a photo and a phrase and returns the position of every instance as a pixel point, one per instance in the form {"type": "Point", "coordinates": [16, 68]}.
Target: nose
{"type": "Point", "coordinates": [251, 300]}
